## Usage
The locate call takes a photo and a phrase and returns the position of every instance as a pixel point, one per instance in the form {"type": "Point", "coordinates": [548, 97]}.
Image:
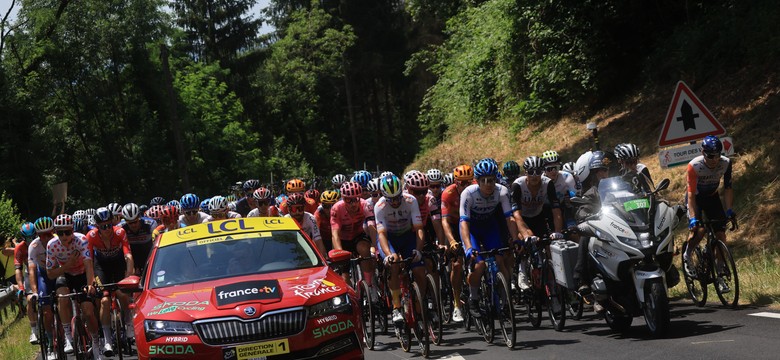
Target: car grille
{"type": "Point", "coordinates": [234, 330]}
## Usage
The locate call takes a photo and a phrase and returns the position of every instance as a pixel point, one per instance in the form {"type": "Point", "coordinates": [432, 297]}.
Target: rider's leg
{"type": "Point", "coordinates": [367, 267]}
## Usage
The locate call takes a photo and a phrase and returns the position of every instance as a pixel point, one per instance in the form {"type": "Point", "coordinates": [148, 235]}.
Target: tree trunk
{"type": "Point", "coordinates": [173, 113]}
{"type": "Point", "coordinates": [351, 113]}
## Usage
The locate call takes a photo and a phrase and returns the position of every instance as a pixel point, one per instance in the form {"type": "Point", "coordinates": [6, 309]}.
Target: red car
{"type": "Point", "coordinates": [250, 288]}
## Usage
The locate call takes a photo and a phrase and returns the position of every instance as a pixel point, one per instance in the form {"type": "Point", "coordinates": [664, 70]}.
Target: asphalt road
{"type": "Point", "coordinates": [710, 332]}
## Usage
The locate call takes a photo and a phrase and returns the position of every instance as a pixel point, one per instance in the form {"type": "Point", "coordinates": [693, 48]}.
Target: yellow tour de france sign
{"type": "Point", "coordinates": [219, 229]}
{"type": "Point", "coordinates": [259, 350]}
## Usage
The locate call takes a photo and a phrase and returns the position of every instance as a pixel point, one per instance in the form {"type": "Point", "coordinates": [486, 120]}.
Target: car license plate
{"type": "Point", "coordinates": [257, 351]}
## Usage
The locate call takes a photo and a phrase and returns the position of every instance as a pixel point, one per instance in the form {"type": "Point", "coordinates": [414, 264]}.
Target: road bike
{"type": "Point", "coordinates": [713, 263]}
{"type": "Point", "coordinates": [544, 290]}
{"type": "Point", "coordinates": [415, 321]}
{"type": "Point", "coordinates": [496, 301]}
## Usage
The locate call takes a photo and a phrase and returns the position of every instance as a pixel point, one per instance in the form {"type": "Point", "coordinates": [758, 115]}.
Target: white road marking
{"type": "Point", "coordinates": [710, 342]}
{"type": "Point", "coordinates": [767, 314]}
{"type": "Point", "coordinates": [454, 356]}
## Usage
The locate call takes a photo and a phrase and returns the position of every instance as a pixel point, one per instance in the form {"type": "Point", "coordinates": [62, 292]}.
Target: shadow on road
{"type": "Point", "coordinates": [542, 343]}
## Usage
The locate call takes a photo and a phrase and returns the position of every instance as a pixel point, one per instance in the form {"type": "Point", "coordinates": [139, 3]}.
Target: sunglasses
{"type": "Point", "coordinates": [712, 155]}
{"type": "Point", "coordinates": [534, 172]}
{"type": "Point", "coordinates": [551, 168]}
{"type": "Point", "coordinates": [464, 183]}
{"type": "Point", "coordinates": [434, 187]}
{"type": "Point", "coordinates": [394, 199]}
{"type": "Point", "coordinates": [350, 200]}
{"type": "Point", "coordinates": [296, 208]}
{"type": "Point", "coordinates": [263, 203]}
{"type": "Point", "coordinates": [419, 192]}
{"type": "Point", "coordinates": [487, 180]}
{"type": "Point", "coordinates": [64, 232]}
{"type": "Point", "coordinates": [375, 194]}
{"type": "Point", "coordinates": [105, 226]}
{"type": "Point", "coordinates": [190, 212]}
{"type": "Point", "coordinates": [136, 221]}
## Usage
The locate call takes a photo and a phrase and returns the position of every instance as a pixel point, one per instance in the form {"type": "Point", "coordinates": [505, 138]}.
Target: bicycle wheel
{"type": "Point", "coordinates": [506, 311]}
{"type": "Point", "coordinates": [385, 302]}
{"type": "Point", "coordinates": [468, 320]}
{"type": "Point", "coordinates": [574, 304]}
{"type": "Point", "coordinates": [555, 297]}
{"type": "Point", "coordinates": [420, 321]}
{"type": "Point", "coordinates": [727, 271]}
{"type": "Point", "coordinates": [58, 335]}
{"type": "Point", "coordinates": [367, 314]}
{"type": "Point", "coordinates": [485, 322]}
{"type": "Point", "coordinates": [434, 316]}
{"type": "Point", "coordinates": [446, 296]}
{"type": "Point", "coordinates": [43, 340]}
{"type": "Point", "coordinates": [80, 341]}
{"type": "Point", "coordinates": [118, 323]}
{"type": "Point", "coordinates": [697, 286]}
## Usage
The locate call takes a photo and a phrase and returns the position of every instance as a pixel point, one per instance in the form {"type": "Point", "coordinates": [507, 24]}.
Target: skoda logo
{"type": "Point", "coordinates": [250, 311]}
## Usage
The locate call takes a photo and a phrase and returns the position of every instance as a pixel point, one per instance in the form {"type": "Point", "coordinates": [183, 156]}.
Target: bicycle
{"type": "Point", "coordinates": [366, 306]}
{"type": "Point", "coordinates": [708, 271]}
{"type": "Point", "coordinates": [544, 290]}
{"type": "Point", "coordinates": [496, 301]}
{"type": "Point", "coordinates": [123, 345]}
{"type": "Point", "coordinates": [415, 321]}
{"type": "Point", "coordinates": [433, 297]}
{"type": "Point", "coordinates": [81, 338]}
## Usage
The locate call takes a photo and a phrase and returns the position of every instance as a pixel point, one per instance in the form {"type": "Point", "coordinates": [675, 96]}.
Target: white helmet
{"type": "Point", "coordinates": [131, 212]}
{"type": "Point", "coordinates": [218, 204]}
{"type": "Point", "coordinates": [582, 166]}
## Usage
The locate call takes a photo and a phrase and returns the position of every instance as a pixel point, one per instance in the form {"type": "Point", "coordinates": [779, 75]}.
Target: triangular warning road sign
{"type": "Point", "coordinates": [688, 119]}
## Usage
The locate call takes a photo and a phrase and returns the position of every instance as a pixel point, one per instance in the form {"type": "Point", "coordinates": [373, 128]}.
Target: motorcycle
{"type": "Point", "coordinates": [631, 249]}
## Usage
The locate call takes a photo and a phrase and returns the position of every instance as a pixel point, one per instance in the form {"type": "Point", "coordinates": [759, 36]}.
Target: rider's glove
{"type": "Point", "coordinates": [556, 236]}
{"type": "Point", "coordinates": [732, 217]}
{"type": "Point", "coordinates": [530, 241]}
{"type": "Point", "coordinates": [19, 293]}
{"type": "Point", "coordinates": [417, 256]}
{"type": "Point", "coordinates": [730, 214]}
{"type": "Point", "coordinates": [692, 223]}
{"type": "Point", "coordinates": [387, 260]}
{"type": "Point", "coordinates": [469, 253]}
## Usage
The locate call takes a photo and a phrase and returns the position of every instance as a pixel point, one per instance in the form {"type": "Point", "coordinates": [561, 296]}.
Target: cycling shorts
{"type": "Point", "coordinates": [485, 236]}
{"type": "Point", "coordinates": [538, 224]}
{"type": "Point", "coordinates": [112, 271]}
{"type": "Point", "coordinates": [140, 254]}
{"type": "Point", "coordinates": [73, 283]}
{"type": "Point", "coordinates": [403, 245]}
{"type": "Point", "coordinates": [351, 245]}
{"type": "Point", "coordinates": [45, 287]}
{"type": "Point", "coordinates": [711, 206]}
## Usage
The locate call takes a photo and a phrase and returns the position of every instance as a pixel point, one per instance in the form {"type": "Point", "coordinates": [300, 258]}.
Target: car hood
{"type": "Point", "coordinates": [234, 296]}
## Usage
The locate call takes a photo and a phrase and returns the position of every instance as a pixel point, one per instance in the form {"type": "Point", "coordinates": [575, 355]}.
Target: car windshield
{"type": "Point", "coordinates": [231, 255]}
{"type": "Point", "coordinates": [617, 196]}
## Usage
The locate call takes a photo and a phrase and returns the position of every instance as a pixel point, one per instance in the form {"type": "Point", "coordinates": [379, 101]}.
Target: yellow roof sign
{"type": "Point", "coordinates": [224, 227]}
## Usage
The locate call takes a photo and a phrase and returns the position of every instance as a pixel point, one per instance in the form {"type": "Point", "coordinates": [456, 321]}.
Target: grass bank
{"type": "Point", "coordinates": [14, 338]}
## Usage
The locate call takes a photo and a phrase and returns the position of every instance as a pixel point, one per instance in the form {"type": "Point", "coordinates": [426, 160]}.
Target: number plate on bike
{"type": "Point", "coordinates": [257, 350]}
{"type": "Point", "coordinates": [636, 204]}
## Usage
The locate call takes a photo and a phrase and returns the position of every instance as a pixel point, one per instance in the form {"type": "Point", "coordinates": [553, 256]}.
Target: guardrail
{"type": "Point", "coordinates": [7, 303]}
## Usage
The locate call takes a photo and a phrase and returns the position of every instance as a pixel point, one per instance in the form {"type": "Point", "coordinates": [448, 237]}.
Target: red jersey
{"type": "Point", "coordinates": [349, 225]}
{"type": "Point", "coordinates": [311, 206]}
{"type": "Point", "coordinates": [20, 255]}
{"type": "Point", "coordinates": [450, 204]}
{"type": "Point", "coordinates": [118, 245]}
{"type": "Point", "coordinates": [323, 223]}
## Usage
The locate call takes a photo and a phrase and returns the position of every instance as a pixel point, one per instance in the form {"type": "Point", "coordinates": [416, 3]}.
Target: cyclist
{"type": "Point", "coordinates": [530, 194]}
{"type": "Point", "coordinates": [155, 213]}
{"type": "Point", "coordinates": [39, 282]}
{"type": "Point", "coordinates": [569, 168]}
{"type": "Point", "coordinates": [479, 228]}
{"type": "Point", "coordinates": [448, 180]}
{"type": "Point", "coordinates": [263, 200]}
{"type": "Point", "coordinates": [627, 156]}
{"type": "Point", "coordinates": [218, 208]}
{"type": "Point", "coordinates": [169, 217]}
{"type": "Point", "coordinates": [362, 177]}
{"type": "Point", "coordinates": [204, 206]}
{"type": "Point", "coordinates": [112, 261]}
{"type": "Point", "coordinates": [511, 171]}
{"type": "Point", "coordinates": [322, 215]}
{"type": "Point", "coordinates": [338, 180]}
{"type": "Point", "coordinates": [190, 211]}
{"type": "Point", "coordinates": [346, 222]}
{"type": "Point", "coordinates": [139, 231]}
{"type": "Point", "coordinates": [116, 213]}
{"type": "Point", "coordinates": [417, 185]}
{"type": "Point", "coordinates": [69, 263]}
{"type": "Point", "coordinates": [157, 200]}
{"type": "Point", "coordinates": [463, 176]}
{"type": "Point", "coordinates": [24, 278]}
{"type": "Point", "coordinates": [247, 202]}
{"type": "Point", "coordinates": [565, 185]}
{"type": "Point", "coordinates": [293, 186]}
{"type": "Point", "coordinates": [703, 177]}
{"type": "Point", "coordinates": [312, 197]}
{"type": "Point", "coordinates": [400, 230]}
{"type": "Point", "coordinates": [306, 221]}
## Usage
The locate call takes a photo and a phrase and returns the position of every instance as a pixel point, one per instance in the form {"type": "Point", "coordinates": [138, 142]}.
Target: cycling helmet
{"type": "Point", "coordinates": [362, 177]}
{"type": "Point", "coordinates": [262, 194]}
{"type": "Point", "coordinates": [169, 213]}
{"type": "Point", "coordinates": [218, 204]}
{"type": "Point", "coordinates": [131, 212]}
{"type": "Point", "coordinates": [550, 157]}
{"type": "Point", "coordinates": [79, 214]}
{"type": "Point", "coordinates": [27, 230]}
{"type": "Point", "coordinates": [296, 199]}
{"type": "Point", "coordinates": [102, 214]}
{"type": "Point", "coordinates": [448, 180]}
{"type": "Point", "coordinates": [485, 167]}
{"type": "Point", "coordinates": [568, 167]}
{"type": "Point", "coordinates": [116, 209]}
{"type": "Point", "coordinates": [63, 221]}
{"type": "Point", "coordinates": [373, 185]}
{"type": "Point", "coordinates": [351, 190]}
{"type": "Point", "coordinates": [511, 169]}
{"type": "Point", "coordinates": [174, 203]}
{"type": "Point", "coordinates": [711, 145]}
{"type": "Point", "coordinates": [338, 179]}
{"type": "Point", "coordinates": [386, 173]}
{"type": "Point", "coordinates": [463, 173]}
{"type": "Point", "coordinates": [204, 205]}
{"type": "Point", "coordinates": [250, 185]}
{"type": "Point", "coordinates": [434, 176]}
{"type": "Point", "coordinates": [295, 186]}
{"type": "Point", "coordinates": [189, 201]}
{"type": "Point", "coordinates": [90, 213]}
{"type": "Point", "coordinates": [158, 200]}
{"type": "Point", "coordinates": [626, 151]}
{"type": "Point", "coordinates": [312, 194]}
{"type": "Point", "coordinates": [231, 205]}
{"type": "Point", "coordinates": [390, 186]}
{"type": "Point", "coordinates": [329, 197]}
{"type": "Point", "coordinates": [533, 162]}
{"type": "Point", "coordinates": [155, 212]}
{"type": "Point", "coordinates": [231, 198]}
{"type": "Point", "coordinates": [415, 180]}
{"type": "Point", "coordinates": [44, 224]}
{"type": "Point", "coordinates": [597, 161]}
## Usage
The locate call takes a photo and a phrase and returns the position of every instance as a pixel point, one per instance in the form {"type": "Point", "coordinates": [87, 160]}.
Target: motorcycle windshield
{"type": "Point", "coordinates": [616, 196]}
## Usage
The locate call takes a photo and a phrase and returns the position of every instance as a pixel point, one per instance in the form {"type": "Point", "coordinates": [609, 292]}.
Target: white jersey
{"type": "Point", "coordinates": [530, 204]}
{"type": "Point", "coordinates": [230, 215]}
{"type": "Point", "coordinates": [397, 221]}
{"type": "Point", "coordinates": [202, 217]}
{"type": "Point", "coordinates": [309, 226]}
{"type": "Point", "coordinates": [474, 207]}
{"type": "Point", "coordinates": [565, 186]}
{"type": "Point", "coordinates": [36, 254]}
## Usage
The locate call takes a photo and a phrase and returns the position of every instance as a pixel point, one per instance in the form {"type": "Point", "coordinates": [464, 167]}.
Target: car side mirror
{"type": "Point", "coordinates": [339, 256]}
{"type": "Point", "coordinates": [130, 284]}
{"type": "Point", "coordinates": [662, 185]}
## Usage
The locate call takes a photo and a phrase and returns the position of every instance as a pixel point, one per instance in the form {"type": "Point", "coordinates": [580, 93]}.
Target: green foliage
{"type": "Point", "coordinates": [10, 220]}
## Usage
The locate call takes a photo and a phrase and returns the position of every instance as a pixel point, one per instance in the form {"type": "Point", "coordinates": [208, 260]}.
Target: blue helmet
{"type": "Point", "coordinates": [174, 203]}
{"type": "Point", "coordinates": [486, 167]}
{"type": "Point", "coordinates": [204, 205]}
{"type": "Point", "coordinates": [27, 230]}
{"type": "Point", "coordinates": [102, 214]}
{"type": "Point", "coordinates": [362, 177]}
{"type": "Point", "coordinates": [189, 201]}
{"type": "Point", "coordinates": [711, 145]}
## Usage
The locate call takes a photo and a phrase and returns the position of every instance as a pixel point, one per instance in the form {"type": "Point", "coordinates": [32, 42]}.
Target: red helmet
{"type": "Point", "coordinates": [296, 199]}
{"type": "Point", "coordinates": [312, 194]}
{"type": "Point", "coordinates": [170, 213]}
{"type": "Point", "coordinates": [416, 180]}
{"type": "Point", "coordinates": [351, 190]}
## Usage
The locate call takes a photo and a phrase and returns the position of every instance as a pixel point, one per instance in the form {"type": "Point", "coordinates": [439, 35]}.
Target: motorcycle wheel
{"type": "Point", "coordinates": [618, 322]}
{"type": "Point", "coordinates": [656, 309]}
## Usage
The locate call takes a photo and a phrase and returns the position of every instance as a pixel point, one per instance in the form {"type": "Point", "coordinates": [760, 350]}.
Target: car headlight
{"type": "Point", "coordinates": [157, 328]}
{"type": "Point", "coordinates": [334, 305]}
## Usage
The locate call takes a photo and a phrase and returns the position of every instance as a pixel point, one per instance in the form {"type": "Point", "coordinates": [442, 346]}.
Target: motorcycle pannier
{"type": "Point", "coordinates": [564, 258]}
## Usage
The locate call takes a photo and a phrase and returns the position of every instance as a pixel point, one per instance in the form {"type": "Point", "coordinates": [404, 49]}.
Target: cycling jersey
{"type": "Point", "coordinates": [565, 186]}
{"type": "Point", "coordinates": [144, 233]}
{"type": "Point", "coordinates": [36, 254]}
{"type": "Point", "coordinates": [20, 255]}
{"type": "Point", "coordinates": [243, 207]}
{"type": "Point", "coordinates": [309, 225]}
{"type": "Point", "coordinates": [230, 215]}
{"type": "Point", "coordinates": [349, 225]}
{"type": "Point", "coordinates": [202, 218]}
{"type": "Point", "coordinates": [323, 223]}
{"type": "Point", "coordinates": [529, 204]}
{"type": "Point", "coordinates": [370, 219]}
{"type": "Point", "coordinates": [311, 206]}
{"type": "Point", "coordinates": [272, 212]}
{"type": "Point", "coordinates": [704, 180]}
{"type": "Point", "coordinates": [397, 221]}
{"type": "Point", "coordinates": [58, 253]}
{"type": "Point", "coordinates": [115, 251]}
{"type": "Point", "coordinates": [477, 208]}
{"type": "Point", "coordinates": [450, 204]}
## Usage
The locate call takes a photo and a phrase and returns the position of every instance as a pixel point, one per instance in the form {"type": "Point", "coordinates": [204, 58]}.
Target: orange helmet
{"type": "Point", "coordinates": [463, 172]}
{"type": "Point", "coordinates": [295, 186]}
